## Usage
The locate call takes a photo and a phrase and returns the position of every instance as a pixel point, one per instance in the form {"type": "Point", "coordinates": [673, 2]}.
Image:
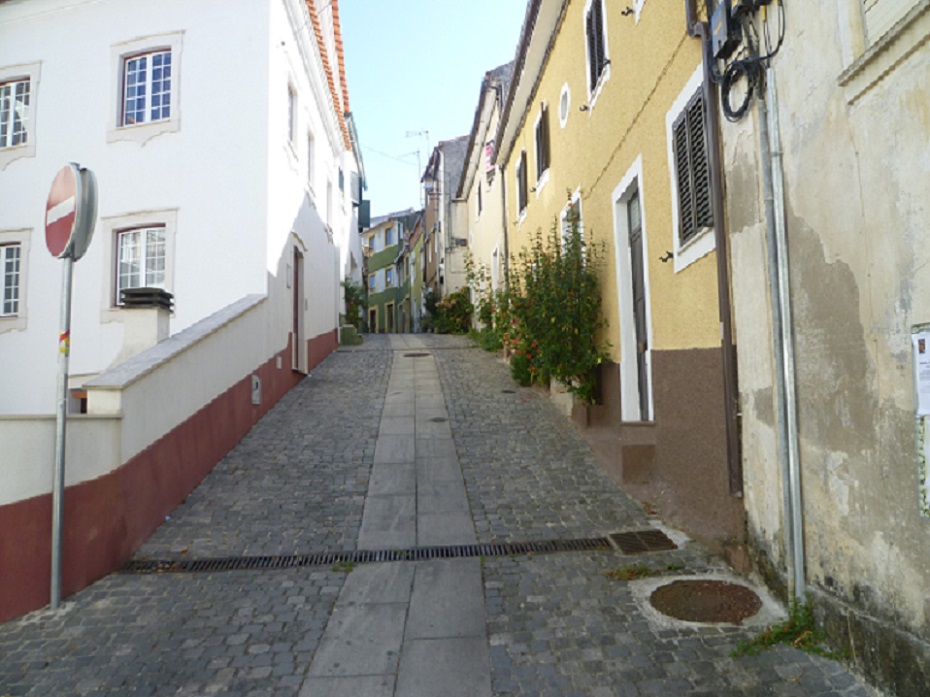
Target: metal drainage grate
{"type": "Point", "coordinates": [503, 549]}
{"type": "Point", "coordinates": [439, 419]}
{"type": "Point", "coordinates": [509, 391]}
{"type": "Point", "coordinates": [416, 355]}
{"type": "Point", "coordinates": [640, 541]}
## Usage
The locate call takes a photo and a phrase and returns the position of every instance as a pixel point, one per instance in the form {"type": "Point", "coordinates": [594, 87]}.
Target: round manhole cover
{"type": "Point", "coordinates": [415, 355]}
{"type": "Point", "coordinates": [706, 601]}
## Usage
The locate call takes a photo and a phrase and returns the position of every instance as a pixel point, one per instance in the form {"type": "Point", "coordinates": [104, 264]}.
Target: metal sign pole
{"type": "Point", "coordinates": [58, 485]}
{"type": "Point", "coordinates": [70, 214]}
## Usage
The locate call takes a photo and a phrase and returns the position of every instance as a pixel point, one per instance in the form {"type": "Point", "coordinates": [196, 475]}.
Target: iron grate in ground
{"type": "Point", "coordinates": [503, 549]}
{"type": "Point", "coordinates": [641, 541]}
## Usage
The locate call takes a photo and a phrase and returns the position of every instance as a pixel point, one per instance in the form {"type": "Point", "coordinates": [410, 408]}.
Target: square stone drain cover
{"type": "Point", "coordinates": [641, 541]}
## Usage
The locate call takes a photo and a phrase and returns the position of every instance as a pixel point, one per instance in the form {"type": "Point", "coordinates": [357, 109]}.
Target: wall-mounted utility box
{"type": "Point", "coordinates": [725, 31]}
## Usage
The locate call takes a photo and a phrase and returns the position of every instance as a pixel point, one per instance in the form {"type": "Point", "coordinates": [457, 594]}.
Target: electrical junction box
{"type": "Point", "coordinates": [725, 31]}
{"type": "Point", "coordinates": [740, 6]}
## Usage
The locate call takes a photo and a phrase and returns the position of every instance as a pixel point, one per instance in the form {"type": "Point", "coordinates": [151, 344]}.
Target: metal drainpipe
{"type": "Point", "coordinates": [777, 344]}
{"type": "Point", "coordinates": [785, 330]}
{"type": "Point", "coordinates": [712, 128]}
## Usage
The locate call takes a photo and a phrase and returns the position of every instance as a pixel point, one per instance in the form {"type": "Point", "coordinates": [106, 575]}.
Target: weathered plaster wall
{"type": "Point", "coordinates": [856, 164]}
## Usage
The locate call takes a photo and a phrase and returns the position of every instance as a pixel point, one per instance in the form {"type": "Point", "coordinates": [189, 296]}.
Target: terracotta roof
{"type": "Point", "coordinates": [340, 57]}
{"type": "Point", "coordinates": [327, 68]}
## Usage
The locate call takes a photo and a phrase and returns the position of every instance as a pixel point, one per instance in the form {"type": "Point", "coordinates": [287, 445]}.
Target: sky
{"type": "Point", "coordinates": [416, 66]}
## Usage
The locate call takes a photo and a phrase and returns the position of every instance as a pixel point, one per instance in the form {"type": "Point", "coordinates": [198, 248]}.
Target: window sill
{"type": "Point", "coordinates": [697, 247]}
{"type": "Point", "coordinates": [541, 182]}
{"type": "Point", "coordinates": [12, 323]}
{"type": "Point", "coordinates": [598, 88]}
{"type": "Point", "coordinates": [15, 152]}
{"type": "Point", "coordinates": [892, 49]}
{"type": "Point", "coordinates": [143, 132]}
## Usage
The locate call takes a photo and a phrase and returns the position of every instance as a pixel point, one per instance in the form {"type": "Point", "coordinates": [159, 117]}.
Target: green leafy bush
{"type": "Point", "coordinates": [551, 316]}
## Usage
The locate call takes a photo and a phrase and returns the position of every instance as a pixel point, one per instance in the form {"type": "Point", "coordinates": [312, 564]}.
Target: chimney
{"type": "Point", "coordinates": [146, 320]}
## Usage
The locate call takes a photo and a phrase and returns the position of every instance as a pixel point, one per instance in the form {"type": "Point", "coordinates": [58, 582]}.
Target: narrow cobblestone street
{"type": "Point", "coordinates": [404, 442]}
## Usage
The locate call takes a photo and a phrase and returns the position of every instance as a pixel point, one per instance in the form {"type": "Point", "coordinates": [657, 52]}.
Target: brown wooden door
{"type": "Point", "coordinates": [634, 218]}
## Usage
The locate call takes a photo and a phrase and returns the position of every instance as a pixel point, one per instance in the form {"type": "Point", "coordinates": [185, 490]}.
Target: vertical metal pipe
{"type": "Point", "coordinates": [777, 343]}
{"type": "Point", "coordinates": [786, 329]}
{"type": "Point", "coordinates": [58, 482]}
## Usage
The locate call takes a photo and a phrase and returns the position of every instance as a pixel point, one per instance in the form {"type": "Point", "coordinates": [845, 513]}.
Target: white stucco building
{"type": "Point", "coordinates": [225, 158]}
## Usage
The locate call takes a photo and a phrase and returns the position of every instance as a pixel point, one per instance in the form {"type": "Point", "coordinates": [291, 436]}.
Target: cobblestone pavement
{"type": "Point", "coordinates": [529, 473]}
{"type": "Point", "coordinates": [297, 484]}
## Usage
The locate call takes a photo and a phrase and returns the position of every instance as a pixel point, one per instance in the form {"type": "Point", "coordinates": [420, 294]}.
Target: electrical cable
{"type": "Point", "coordinates": [748, 65]}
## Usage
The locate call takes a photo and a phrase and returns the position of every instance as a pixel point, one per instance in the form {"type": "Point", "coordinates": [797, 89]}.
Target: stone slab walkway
{"type": "Point", "coordinates": [383, 449]}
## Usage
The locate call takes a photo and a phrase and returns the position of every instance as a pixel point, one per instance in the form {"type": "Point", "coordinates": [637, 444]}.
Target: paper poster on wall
{"type": "Point", "coordinates": [921, 341]}
{"type": "Point", "coordinates": [920, 337]}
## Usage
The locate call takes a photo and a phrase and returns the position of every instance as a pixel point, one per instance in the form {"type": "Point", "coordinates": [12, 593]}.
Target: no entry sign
{"type": "Point", "coordinates": [70, 212]}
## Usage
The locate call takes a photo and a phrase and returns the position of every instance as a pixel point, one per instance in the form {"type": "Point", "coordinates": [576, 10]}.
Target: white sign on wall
{"type": "Point", "coordinates": [920, 340]}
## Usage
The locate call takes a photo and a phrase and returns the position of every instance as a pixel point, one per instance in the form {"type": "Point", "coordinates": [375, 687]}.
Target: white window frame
{"type": "Point", "coordinates": [479, 201]}
{"type": "Point", "coordinates": [20, 239]}
{"type": "Point", "coordinates": [631, 182]}
{"type": "Point", "coordinates": [14, 112]}
{"type": "Point", "coordinates": [109, 230]}
{"type": "Point", "coordinates": [575, 201]}
{"type": "Point", "coordinates": [704, 242]}
{"type": "Point", "coordinates": [311, 159]}
{"type": "Point", "coordinates": [329, 205]}
{"type": "Point", "coordinates": [9, 278]}
{"type": "Point", "coordinates": [22, 73]}
{"type": "Point", "coordinates": [292, 116]}
{"type": "Point", "coordinates": [565, 100]}
{"type": "Point", "coordinates": [542, 177]}
{"type": "Point", "coordinates": [145, 233]}
{"type": "Point", "coordinates": [522, 187]}
{"type": "Point", "coordinates": [152, 99]}
{"type": "Point", "coordinates": [119, 55]}
{"type": "Point", "coordinates": [594, 91]}
{"type": "Point", "coordinates": [869, 59]}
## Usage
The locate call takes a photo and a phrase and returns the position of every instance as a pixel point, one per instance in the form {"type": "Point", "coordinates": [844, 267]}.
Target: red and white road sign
{"type": "Point", "coordinates": [61, 210]}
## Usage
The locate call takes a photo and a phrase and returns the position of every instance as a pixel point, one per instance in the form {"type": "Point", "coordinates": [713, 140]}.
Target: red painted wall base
{"type": "Point", "coordinates": [108, 518]}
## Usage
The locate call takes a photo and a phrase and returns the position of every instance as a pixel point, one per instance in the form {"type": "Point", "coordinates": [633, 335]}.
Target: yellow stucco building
{"type": "Point", "coordinates": [606, 110]}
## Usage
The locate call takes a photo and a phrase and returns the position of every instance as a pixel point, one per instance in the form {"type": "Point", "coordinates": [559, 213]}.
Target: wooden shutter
{"type": "Point", "coordinates": [542, 143]}
{"type": "Point", "coordinates": [695, 208]}
{"type": "Point", "coordinates": [521, 182]}
{"type": "Point", "coordinates": [594, 29]}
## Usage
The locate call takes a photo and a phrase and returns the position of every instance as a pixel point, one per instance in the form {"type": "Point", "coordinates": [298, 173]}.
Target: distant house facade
{"type": "Point", "coordinates": [385, 272]}
{"type": "Point", "coordinates": [445, 224]}
{"type": "Point", "coordinates": [481, 188]}
{"type": "Point", "coordinates": [232, 206]}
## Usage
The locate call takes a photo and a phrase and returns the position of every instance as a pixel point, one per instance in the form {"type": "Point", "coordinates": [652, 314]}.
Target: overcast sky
{"type": "Point", "coordinates": [416, 66]}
